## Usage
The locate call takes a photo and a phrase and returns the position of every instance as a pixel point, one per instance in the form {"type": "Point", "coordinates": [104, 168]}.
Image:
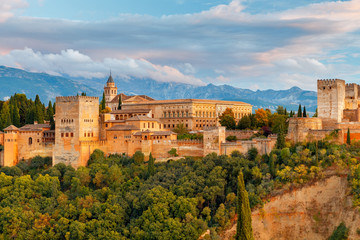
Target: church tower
{"type": "Point", "coordinates": [110, 89]}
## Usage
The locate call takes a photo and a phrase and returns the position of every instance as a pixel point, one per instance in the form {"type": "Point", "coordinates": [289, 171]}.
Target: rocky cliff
{"type": "Point", "coordinates": [312, 212]}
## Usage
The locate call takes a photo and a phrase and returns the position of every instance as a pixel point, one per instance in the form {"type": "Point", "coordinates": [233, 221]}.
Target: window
{"type": "Point", "coordinates": [152, 125]}
{"type": "Point", "coordinates": [62, 134]}
{"type": "Point", "coordinates": [72, 134]}
{"type": "Point", "coordinates": [30, 141]}
{"type": "Point", "coordinates": [66, 134]}
{"type": "Point", "coordinates": [115, 137]}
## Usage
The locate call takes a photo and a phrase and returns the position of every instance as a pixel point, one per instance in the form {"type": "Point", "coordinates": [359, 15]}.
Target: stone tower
{"type": "Point", "coordinates": [11, 146]}
{"type": "Point", "coordinates": [110, 89]}
{"type": "Point", "coordinates": [77, 121]}
{"type": "Point", "coordinates": [331, 99]}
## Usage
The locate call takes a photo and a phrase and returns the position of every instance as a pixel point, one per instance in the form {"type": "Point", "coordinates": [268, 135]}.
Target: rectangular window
{"type": "Point", "coordinates": [66, 134]}
{"type": "Point", "coordinates": [62, 134]}
{"type": "Point", "coordinates": [72, 134]}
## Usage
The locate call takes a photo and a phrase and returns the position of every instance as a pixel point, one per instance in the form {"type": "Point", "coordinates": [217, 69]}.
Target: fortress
{"type": "Point", "coordinates": [139, 123]}
{"type": "Point", "coordinates": [338, 110]}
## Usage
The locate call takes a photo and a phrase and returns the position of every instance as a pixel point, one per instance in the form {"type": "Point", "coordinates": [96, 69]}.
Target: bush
{"type": "Point", "coordinates": [340, 233]}
{"type": "Point", "coordinates": [231, 138]}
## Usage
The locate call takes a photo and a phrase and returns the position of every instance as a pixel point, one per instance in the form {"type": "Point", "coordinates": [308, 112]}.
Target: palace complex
{"type": "Point", "coordinates": [338, 112]}
{"type": "Point", "coordinates": [140, 124]}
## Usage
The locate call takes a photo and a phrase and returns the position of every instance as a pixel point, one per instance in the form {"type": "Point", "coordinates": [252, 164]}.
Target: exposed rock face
{"type": "Point", "coordinates": [312, 212]}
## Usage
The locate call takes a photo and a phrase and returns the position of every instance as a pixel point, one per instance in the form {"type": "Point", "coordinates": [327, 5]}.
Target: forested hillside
{"type": "Point", "coordinates": [118, 197]}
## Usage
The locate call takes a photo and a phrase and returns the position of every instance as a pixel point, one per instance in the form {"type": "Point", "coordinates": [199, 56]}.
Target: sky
{"type": "Point", "coordinates": [254, 44]}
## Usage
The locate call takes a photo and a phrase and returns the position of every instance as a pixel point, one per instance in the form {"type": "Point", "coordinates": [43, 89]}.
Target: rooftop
{"type": "Point", "coordinates": [122, 128]}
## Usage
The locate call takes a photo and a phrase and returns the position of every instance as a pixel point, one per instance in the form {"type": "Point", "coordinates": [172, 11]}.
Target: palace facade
{"type": "Point", "coordinates": [142, 124]}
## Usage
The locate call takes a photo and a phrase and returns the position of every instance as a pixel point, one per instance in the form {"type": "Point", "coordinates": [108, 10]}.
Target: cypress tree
{"type": "Point", "coordinates": [280, 142]}
{"type": "Point", "coordinates": [244, 227]}
{"type": "Point", "coordinates": [316, 154]}
{"type": "Point", "coordinates": [299, 111]}
{"type": "Point", "coordinates": [50, 115]}
{"type": "Point", "coordinates": [286, 113]}
{"type": "Point", "coordinates": [120, 102]}
{"type": "Point", "coordinates": [151, 166]}
{"type": "Point", "coordinates": [348, 140]}
{"type": "Point", "coordinates": [316, 113]}
{"type": "Point", "coordinates": [16, 116]}
{"type": "Point", "coordinates": [272, 165]}
{"type": "Point", "coordinates": [304, 112]}
{"type": "Point", "coordinates": [291, 113]}
{"type": "Point", "coordinates": [102, 103]}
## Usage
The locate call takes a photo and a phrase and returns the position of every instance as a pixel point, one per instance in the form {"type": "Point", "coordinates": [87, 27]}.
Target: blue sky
{"type": "Point", "coordinates": [256, 44]}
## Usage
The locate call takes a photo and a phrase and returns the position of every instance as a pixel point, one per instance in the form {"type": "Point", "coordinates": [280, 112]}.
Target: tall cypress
{"type": "Point", "coordinates": [280, 142]}
{"type": "Point", "coordinates": [5, 118]}
{"type": "Point", "coordinates": [299, 111]}
{"type": "Point", "coordinates": [316, 113]}
{"type": "Point", "coordinates": [316, 153]}
{"type": "Point", "coordinates": [102, 103]}
{"type": "Point", "coordinates": [348, 140]}
{"type": "Point", "coordinates": [120, 102]}
{"type": "Point", "coordinates": [304, 112]}
{"type": "Point", "coordinates": [244, 227]}
{"type": "Point", "coordinates": [272, 165]}
{"type": "Point", "coordinates": [50, 115]}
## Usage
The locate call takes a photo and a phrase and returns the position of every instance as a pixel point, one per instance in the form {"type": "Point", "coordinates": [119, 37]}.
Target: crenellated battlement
{"type": "Point", "coordinates": [351, 85]}
{"type": "Point", "coordinates": [328, 82]}
{"type": "Point", "coordinates": [75, 98]}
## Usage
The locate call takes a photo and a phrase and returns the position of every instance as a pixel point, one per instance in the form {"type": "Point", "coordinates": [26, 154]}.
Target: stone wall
{"type": "Point", "coordinates": [299, 128]}
{"type": "Point", "coordinates": [264, 146]}
{"type": "Point", "coordinates": [240, 134]}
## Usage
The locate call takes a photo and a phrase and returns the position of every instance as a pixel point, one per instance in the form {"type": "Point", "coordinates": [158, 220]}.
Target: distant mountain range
{"type": "Point", "coordinates": [14, 80]}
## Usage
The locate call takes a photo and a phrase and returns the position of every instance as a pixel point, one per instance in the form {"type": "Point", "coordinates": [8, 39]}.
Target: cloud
{"type": "Point", "coordinates": [224, 43]}
{"type": "Point", "coordinates": [75, 64]}
{"type": "Point", "coordinates": [8, 6]}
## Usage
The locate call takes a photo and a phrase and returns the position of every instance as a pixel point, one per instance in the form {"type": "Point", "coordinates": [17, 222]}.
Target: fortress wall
{"type": "Point", "coordinates": [240, 134]}
{"type": "Point", "coordinates": [264, 146]}
{"type": "Point", "coordinates": [299, 127]}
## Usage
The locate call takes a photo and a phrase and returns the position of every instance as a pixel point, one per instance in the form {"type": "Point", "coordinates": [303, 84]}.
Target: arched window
{"type": "Point", "coordinates": [30, 141]}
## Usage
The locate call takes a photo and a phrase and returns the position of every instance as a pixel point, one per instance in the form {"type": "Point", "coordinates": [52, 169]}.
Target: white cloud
{"type": "Point", "coordinates": [224, 43]}
{"type": "Point", "coordinates": [75, 64]}
{"type": "Point", "coordinates": [8, 6]}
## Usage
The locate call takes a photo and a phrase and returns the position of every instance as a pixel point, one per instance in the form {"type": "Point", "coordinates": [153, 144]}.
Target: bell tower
{"type": "Point", "coordinates": [110, 89]}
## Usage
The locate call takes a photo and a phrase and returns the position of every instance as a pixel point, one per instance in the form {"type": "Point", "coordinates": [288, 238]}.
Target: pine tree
{"type": "Point", "coordinates": [291, 114]}
{"type": "Point", "coordinates": [244, 227]}
{"type": "Point", "coordinates": [102, 103]}
{"type": "Point", "coordinates": [120, 102]}
{"type": "Point", "coordinates": [348, 140]}
{"type": "Point", "coordinates": [299, 111]}
{"type": "Point", "coordinates": [151, 166]}
{"type": "Point", "coordinates": [5, 118]}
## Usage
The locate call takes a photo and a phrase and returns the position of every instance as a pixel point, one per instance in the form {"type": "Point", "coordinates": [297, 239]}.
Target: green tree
{"type": "Point", "coordinates": [103, 103]}
{"type": "Point", "coordinates": [291, 114]}
{"type": "Point", "coordinates": [299, 111]}
{"type": "Point", "coordinates": [280, 110]}
{"type": "Point", "coordinates": [316, 113]}
{"type": "Point", "coordinates": [5, 118]}
{"type": "Point", "coordinates": [348, 140]}
{"type": "Point", "coordinates": [227, 119]}
{"type": "Point", "coordinates": [340, 233]}
{"type": "Point", "coordinates": [244, 123]}
{"type": "Point", "coordinates": [120, 102]}
{"type": "Point", "coordinates": [272, 165]}
{"type": "Point", "coordinates": [138, 157]}
{"type": "Point", "coordinates": [16, 116]}
{"type": "Point", "coordinates": [50, 115]}
{"type": "Point", "coordinates": [244, 227]}
{"type": "Point", "coordinates": [304, 112]}
{"type": "Point", "coordinates": [280, 142]}
{"type": "Point", "coordinates": [151, 165]}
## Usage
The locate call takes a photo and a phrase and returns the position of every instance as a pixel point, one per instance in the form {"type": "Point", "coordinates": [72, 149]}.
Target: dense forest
{"type": "Point", "coordinates": [19, 110]}
{"type": "Point", "coordinates": [120, 197]}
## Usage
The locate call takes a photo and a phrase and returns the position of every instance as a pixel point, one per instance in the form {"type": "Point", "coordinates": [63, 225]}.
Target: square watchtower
{"type": "Point", "coordinates": [76, 121]}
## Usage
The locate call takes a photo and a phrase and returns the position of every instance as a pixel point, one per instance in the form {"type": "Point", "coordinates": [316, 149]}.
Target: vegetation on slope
{"type": "Point", "coordinates": [118, 197]}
